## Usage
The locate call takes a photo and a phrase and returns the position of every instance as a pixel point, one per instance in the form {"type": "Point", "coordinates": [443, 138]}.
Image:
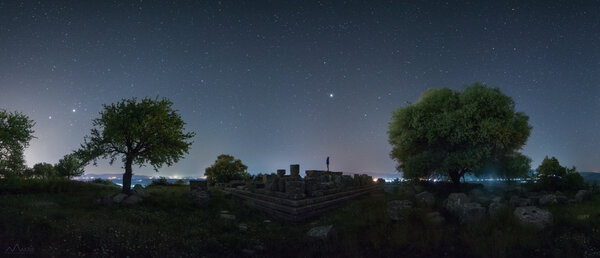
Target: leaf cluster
{"type": "Point", "coordinates": [225, 169]}
{"type": "Point", "coordinates": [454, 132]}
{"type": "Point", "coordinates": [146, 131]}
{"type": "Point", "coordinates": [16, 130]}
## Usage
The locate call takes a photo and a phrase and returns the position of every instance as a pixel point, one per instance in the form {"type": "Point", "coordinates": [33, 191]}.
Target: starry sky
{"type": "Point", "coordinates": [284, 82]}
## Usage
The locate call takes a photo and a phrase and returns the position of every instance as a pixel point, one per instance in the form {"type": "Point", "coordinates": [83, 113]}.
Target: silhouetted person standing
{"type": "Point", "coordinates": [327, 161]}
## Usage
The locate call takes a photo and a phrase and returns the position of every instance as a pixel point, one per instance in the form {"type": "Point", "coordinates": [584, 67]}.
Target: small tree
{"type": "Point", "coordinates": [69, 166]}
{"type": "Point", "coordinates": [44, 170]}
{"type": "Point", "coordinates": [453, 133]}
{"type": "Point", "coordinates": [15, 133]}
{"type": "Point", "coordinates": [225, 169]}
{"type": "Point", "coordinates": [148, 131]}
{"type": "Point", "coordinates": [552, 176]}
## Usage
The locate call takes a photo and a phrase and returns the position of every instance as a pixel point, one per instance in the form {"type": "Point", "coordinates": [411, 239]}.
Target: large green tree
{"type": "Point", "coordinates": [44, 170]}
{"type": "Point", "coordinates": [225, 169]}
{"type": "Point", "coordinates": [16, 130]}
{"type": "Point", "coordinates": [137, 132]}
{"type": "Point", "coordinates": [452, 133]}
{"type": "Point", "coordinates": [69, 166]}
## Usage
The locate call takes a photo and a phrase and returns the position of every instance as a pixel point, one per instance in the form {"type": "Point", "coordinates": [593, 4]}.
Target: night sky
{"type": "Point", "coordinates": [280, 82]}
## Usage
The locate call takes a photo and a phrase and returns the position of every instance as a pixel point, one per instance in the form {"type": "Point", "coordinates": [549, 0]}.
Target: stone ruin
{"type": "Point", "coordinates": [199, 192]}
{"type": "Point", "coordinates": [293, 198]}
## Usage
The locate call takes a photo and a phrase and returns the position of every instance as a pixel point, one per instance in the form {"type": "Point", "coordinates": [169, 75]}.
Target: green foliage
{"type": "Point", "coordinates": [552, 176]}
{"type": "Point", "coordinates": [15, 133]}
{"type": "Point", "coordinates": [44, 170]}
{"type": "Point", "coordinates": [69, 166]}
{"type": "Point", "coordinates": [103, 182]}
{"type": "Point", "coordinates": [160, 181]}
{"type": "Point", "coordinates": [137, 132]}
{"type": "Point", "coordinates": [551, 167]}
{"type": "Point", "coordinates": [225, 169]}
{"type": "Point", "coordinates": [180, 182]}
{"type": "Point", "coordinates": [509, 167]}
{"type": "Point", "coordinates": [452, 133]}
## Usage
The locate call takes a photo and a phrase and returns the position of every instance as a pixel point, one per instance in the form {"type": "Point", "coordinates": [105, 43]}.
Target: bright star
{"type": "Point", "coordinates": [331, 95]}
{"type": "Point", "coordinates": [74, 110]}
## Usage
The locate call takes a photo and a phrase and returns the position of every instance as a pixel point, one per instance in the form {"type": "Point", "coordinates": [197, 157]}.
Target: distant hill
{"type": "Point", "coordinates": [590, 176]}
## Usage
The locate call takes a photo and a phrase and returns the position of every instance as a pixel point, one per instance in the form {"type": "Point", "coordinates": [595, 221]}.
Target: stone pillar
{"type": "Point", "coordinates": [295, 170]}
{"type": "Point", "coordinates": [280, 172]}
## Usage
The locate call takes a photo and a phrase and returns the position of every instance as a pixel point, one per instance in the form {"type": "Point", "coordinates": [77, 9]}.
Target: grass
{"type": "Point", "coordinates": [168, 224]}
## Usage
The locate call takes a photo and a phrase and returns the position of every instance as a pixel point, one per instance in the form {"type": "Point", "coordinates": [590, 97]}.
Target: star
{"type": "Point", "coordinates": [331, 95]}
{"type": "Point", "coordinates": [74, 110]}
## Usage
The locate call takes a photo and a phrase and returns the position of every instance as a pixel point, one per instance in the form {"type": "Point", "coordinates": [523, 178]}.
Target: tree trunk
{"type": "Point", "coordinates": [127, 176]}
{"type": "Point", "coordinates": [455, 177]}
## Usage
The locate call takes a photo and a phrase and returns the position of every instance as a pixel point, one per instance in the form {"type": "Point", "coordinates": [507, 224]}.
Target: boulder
{"type": "Point", "coordinates": [399, 209]}
{"type": "Point", "coordinates": [132, 199]}
{"type": "Point", "coordinates": [495, 207]}
{"type": "Point", "coordinates": [426, 197]}
{"type": "Point", "coordinates": [118, 198]}
{"type": "Point", "coordinates": [139, 191]}
{"type": "Point", "coordinates": [534, 217]}
{"type": "Point", "coordinates": [243, 227]}
{"type": "Point", "coordinates": [548, 199]}
{"type": "Point", "coordinates": [472, 212]}
{"type": "Point", "coordinates": [323, 233]}
{"type": "Point", "coordinates": [516, 201]}
{"type": "Point", "coordinates": [454, 203]}
{"type": "Point", "coordinates": [582, 195]}
{"type": "Point", "coordinates": [561, 198]}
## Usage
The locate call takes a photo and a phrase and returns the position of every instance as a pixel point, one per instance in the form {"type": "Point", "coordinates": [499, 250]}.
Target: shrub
{"type": "Point", "coordinates": [160, 181]}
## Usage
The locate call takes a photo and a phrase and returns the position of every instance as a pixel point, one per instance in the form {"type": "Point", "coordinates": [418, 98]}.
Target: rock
{"type": "Point", "coordinates": [132, 199]}
{"type": "Point", "coordinates": [548, 199]}
{"type": "Point", "coordinates": [426, 197]}
{"type": "Point", "coordinates": [294, 189]}
{"type": "Point", "coordinates": [139, 191]}
{"type": "Point", "coordinates": [454, 203]}
{"type": "Point", "coordinates": [399, 209]}
{"type": "Point", "coordinates": [227, 216]}
{"type": "Point", "coordinates": [266, 221]}
{"type": "Point", "coordinates": [561, 198]}
{"type": "Point", "coordinates": [107, 200]}
{"type": "Point", "coordinates": [533, 217]}
{"type": "Point", "coordinates": [241, 187]}
{"type": "Point", "coordinates": [494, 208]}
{"type": "Point", "coordinates": [118, 198]}
{"type": "Point", "coordinates": [323, 233]}
{"type": "Point", "coordinates": [472, 212]}
{"type": "Point", "coordinates": [435, 218]}
{"type": "Point", "coordinates": [582, 195]}
{"type": "Point", "coordinates": [243, 227]}
{"type": "Point", "coordinates": [516, 201]}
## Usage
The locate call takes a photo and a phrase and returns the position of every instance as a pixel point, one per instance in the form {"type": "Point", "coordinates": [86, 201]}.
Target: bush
{"type": "Point", "coordinates": [103, 182]}
{"type": "Point", "coordinates": [160, 181]}
{"type": "Point", "coordinates": [180, 182]}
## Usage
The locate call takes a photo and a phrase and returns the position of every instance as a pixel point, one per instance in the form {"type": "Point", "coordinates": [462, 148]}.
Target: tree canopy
{"type": "Point", "coordinates": [225, 169]}
{"type": "Point", "coordinates": [16, 130]}
{"type": "Point", "coordinates": [137, 132]}
{"type": "Point", "coordinates": [552, 176]}
{"type": "Point", "coordinates": [69, 166]}
{"type": "Point", "coordinates": [44, 170]}
{"type": "Point", "coordinates": [451, 133]}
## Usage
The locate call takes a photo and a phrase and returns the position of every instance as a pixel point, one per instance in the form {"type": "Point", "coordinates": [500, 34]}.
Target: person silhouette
{"type": "Point", "coordinates": [327, 162]}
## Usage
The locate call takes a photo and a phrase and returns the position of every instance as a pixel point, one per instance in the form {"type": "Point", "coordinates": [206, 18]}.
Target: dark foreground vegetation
{"type": "Point", "coordinates": [59, 218]}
